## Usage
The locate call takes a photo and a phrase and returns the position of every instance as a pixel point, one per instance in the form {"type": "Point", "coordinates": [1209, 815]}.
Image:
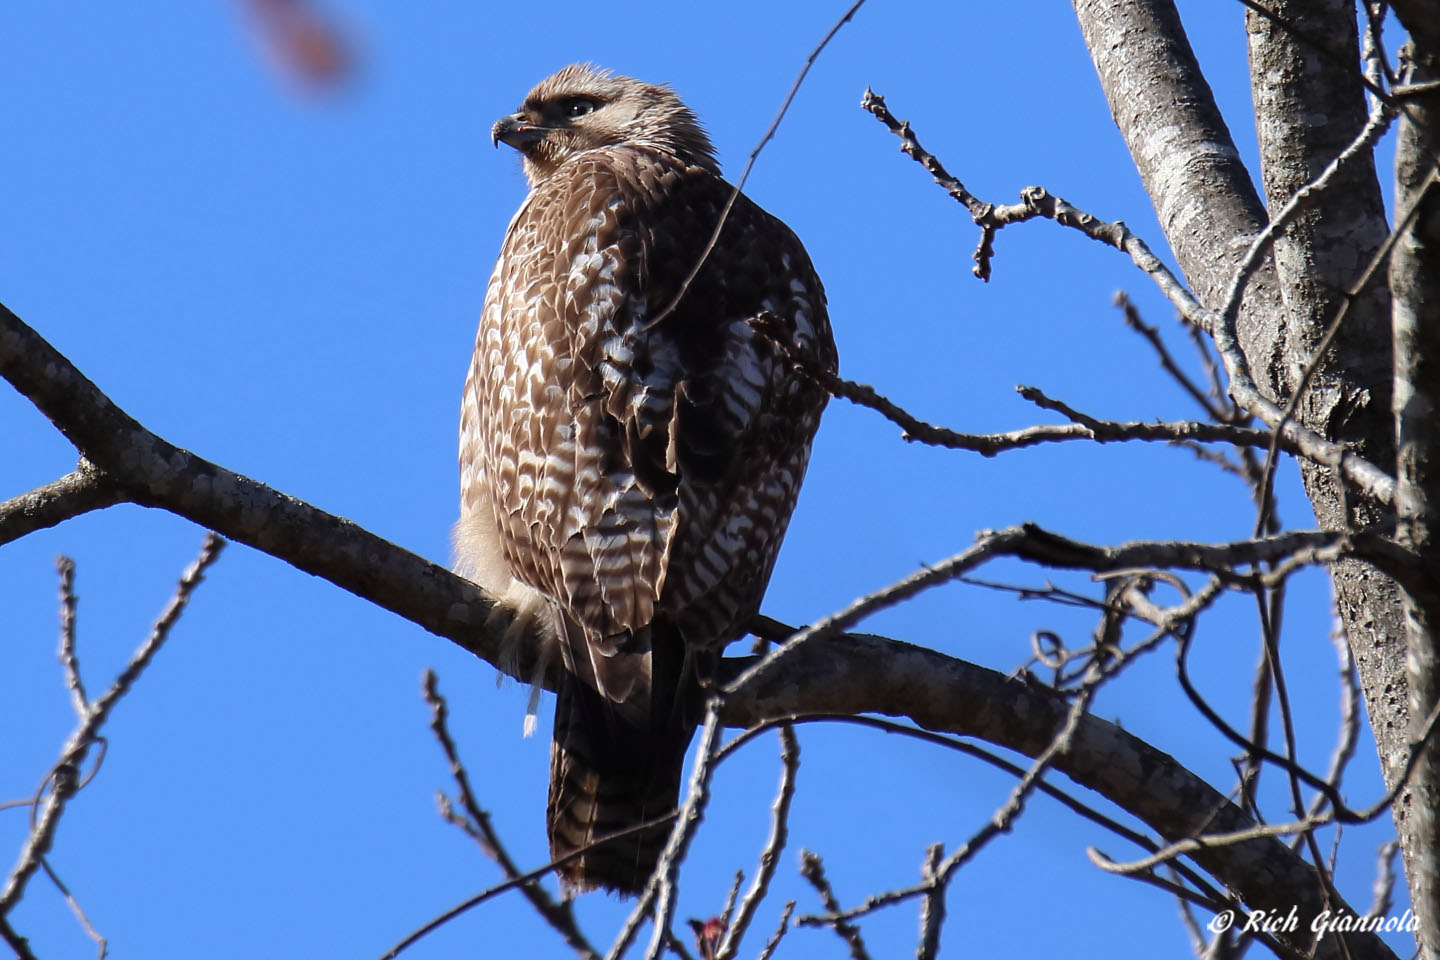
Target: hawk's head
{"type": "Point", "coordinates": [580, 108]}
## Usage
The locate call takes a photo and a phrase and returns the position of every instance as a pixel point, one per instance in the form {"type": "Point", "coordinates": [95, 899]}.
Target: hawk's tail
{"type": "Point", "coordinates": [608, 774]}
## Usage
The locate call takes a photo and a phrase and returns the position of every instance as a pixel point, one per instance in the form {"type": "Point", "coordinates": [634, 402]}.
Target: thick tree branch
{"type": "Point", "coordinates": [147, 470]}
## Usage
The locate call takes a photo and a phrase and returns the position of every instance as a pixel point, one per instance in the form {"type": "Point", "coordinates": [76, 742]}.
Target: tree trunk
{"type": "Point", "coordinates": [1309, 105]}
{"type": "Point", "coordinates": [1415, 282]}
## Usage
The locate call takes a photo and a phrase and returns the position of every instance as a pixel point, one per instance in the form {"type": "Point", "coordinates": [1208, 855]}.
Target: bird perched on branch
{"type": "Point", "coordinates": [631, 446]}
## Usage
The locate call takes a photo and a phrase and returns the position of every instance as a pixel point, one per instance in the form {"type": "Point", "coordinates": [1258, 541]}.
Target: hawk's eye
{"type": "Point", "coordinates": [579, 107]}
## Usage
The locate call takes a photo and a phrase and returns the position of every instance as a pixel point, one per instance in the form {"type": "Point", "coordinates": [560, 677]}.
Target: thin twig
{"type": "Point", "coordinates": [1218, 396]}
{"type": "Point", "coordinates": [1270, 629]}
{"type": "Point", "coordinates": [990, 444]}
{"type": "Point", "coordinates": [667, 869]}
{"type": "Point", "coordinates": [1032, 543]}
{"type": "Point", "coordinates": [780, 929]}
{"type": "Point", "coordinates": [1136, 322]}
{"type": "Point", "coordinates": [491, 892]}
{"type": "Point", "coordinates": [1192, 928]}
{"type": "Point", "coordinates": [559, 916]}
{"type": "Point", "coordinates": [1037, 202]}
{"type": "Point", "coordinates": [1003, 820]}
{"type": "Point", "coordinates": [69, 659]}
{"type": "Point", "coordinates": [1212, 898]}
{"type": "Point", "coordinates": [64, 776]}
{"type": "Point", "coordinates": [1383, 893]}
{"type": "Point", "coordinates": [770, 856]}
{"type": "Point", "coordinates": [728, 911]}
{"type": "Point", "coordinates": [102, 946]}
{"type": "Point", "coordinates": [769, 134]}
{"type": "Point", "coordinates": [932, 907]}
{"type": "Point", "coordinates": [677, 947]}
{"type": "Point", "coordinates": [812, 868]}
{"type": "Point", "coordinates": [1344, 815]}
{"type": "Point", "coordinates": [1350, 714]}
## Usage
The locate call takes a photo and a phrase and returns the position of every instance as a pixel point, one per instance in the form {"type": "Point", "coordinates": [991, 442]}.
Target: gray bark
{"type": "Point", "coordinates": [1309, 106]}
{"type": "Point", "coordinates": [1415, 282]}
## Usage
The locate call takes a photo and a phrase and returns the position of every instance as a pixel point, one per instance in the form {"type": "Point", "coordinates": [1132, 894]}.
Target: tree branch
{"type": "Point", "coordinates": [1373, 481]}
{"type": "Point", "coordinates": [64, 777]}
{"type": "Point", "coordinates": [81, 491]}
{"type": "Point", "coordinates": [147, 470]}
{"type": "Point", "coordinates": [560, 916]}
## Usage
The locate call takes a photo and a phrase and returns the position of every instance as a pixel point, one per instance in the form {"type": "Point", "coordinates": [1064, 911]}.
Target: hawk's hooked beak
{"type": "Point", "coordinates": [515, 131]}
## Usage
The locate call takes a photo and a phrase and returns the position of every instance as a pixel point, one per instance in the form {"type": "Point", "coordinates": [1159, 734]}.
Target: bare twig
{"type": "Point", "coordinates": [812, 868]}
{"type": "Point", "coordinates": [538, 873]}
{"type": "Point", "coordinates": [1190, 844]}
{"type": "Point", "coordinates": [1003, 819]}
{"type": "Point", "coordinates": [1339, 813]}
{"type": "Point", "coordinates": [770, 856]}
{"type": "Point", "coordinates": [1032, 543]}
{"type": "Point", "coordinates": [1350, 717]}
{"type": "Point", "coordinates": [1208, 363]}
{"type": "Point", "coordinates": [64, 777]}
{"type": "Point", "coordinates": [727, 913]}
{"type": "Point", "coordinates": [1208, 894]}
{"type": "Point", "coordinates": [677, 946]}
{"type": "Point", "coordinates": [990, 444]}
{"type": "Point", "coordinates": [667, 870]}
{"type": "Point", "coordinates": [102, 946]}
{"type": "Point", "coordinates": [1135, 322]}
{"type": "Point", "coordinates": [1270, 629]}
{"type": "Point", "coordinates": [780, 929]}
{"type": "Point", "coordinates": [1192, 928]}
{"type": "Point", "coordinates": [559, 916]}
{"type": "Point", "coordinates": [1383, 893]}
{"type": "Point", "coordinates": [1260, 695]}
{"type": "Point", "coordinates": [1037, 202]}
{"type": "Point", "coordinates": [69, 660]}
{"type": "Point", "coordinates": [932, 908]}
{"type": "Point", "coordinates": [845, 18]}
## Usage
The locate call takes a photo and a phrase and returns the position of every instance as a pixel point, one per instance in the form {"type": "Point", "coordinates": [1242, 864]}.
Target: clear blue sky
{"type": "Point", "coordinates": [289, 285]}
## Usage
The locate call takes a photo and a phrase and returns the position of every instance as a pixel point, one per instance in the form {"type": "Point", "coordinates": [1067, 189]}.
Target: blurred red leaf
{"type": "Point", "coordinates": [305, 43]}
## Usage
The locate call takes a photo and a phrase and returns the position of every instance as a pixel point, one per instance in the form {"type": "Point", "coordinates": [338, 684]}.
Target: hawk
{"type": "Point", "coordinates": [630, 446]}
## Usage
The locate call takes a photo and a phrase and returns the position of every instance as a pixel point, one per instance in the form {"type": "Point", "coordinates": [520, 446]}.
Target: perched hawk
{"type": "Point", "coordinates": [630, 447]}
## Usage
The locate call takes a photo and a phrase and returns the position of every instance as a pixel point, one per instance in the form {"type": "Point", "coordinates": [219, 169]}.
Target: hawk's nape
{"type": "Point", "coordinates": [630, 447]}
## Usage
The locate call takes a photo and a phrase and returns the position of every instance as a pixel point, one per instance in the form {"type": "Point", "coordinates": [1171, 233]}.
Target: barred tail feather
{"type": "Point", "coordinates": [606, 776]}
